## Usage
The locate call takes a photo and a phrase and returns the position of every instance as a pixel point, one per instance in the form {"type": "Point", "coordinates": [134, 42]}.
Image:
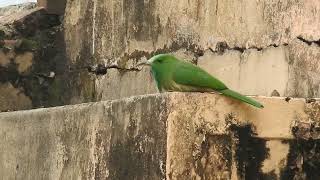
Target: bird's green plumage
{"type": "Point", "coordinates": [233, 94]}
{"type": "Point", "coordinates": [172, 74]}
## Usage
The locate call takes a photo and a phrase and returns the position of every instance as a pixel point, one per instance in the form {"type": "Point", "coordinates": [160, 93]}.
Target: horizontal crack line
{"type": "Point", "coordinates": [309, 42]}
{"type": "Point", "coordinates": [124, 69]}
{"type": "Point", "coordinates": [221, 47]}
{"type": "Point", "coordinates": [100, 69]}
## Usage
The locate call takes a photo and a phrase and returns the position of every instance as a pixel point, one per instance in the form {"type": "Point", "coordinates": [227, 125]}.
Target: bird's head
{"type": "Point", "coordinates": [159, 60]}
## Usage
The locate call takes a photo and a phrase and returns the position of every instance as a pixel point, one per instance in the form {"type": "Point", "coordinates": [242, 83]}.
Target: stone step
{"type": "Point", "coordinates": [163, 136]}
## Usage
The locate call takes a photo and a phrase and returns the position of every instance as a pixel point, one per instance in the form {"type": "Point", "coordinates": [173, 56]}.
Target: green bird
{"type": "Point", "coordinates": [172, 74]}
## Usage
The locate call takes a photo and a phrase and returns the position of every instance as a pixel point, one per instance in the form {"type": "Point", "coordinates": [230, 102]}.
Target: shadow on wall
{"type": "Point", "coordinates": [34, 68]}
{"type": "Point", "coordinates": [53, 6]}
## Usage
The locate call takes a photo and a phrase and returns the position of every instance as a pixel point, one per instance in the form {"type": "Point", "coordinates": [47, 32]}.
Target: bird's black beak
{"type": "Point", "coordinates": [144, 63]}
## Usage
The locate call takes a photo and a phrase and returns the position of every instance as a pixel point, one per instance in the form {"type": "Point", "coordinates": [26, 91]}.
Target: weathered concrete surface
{"type": "Point", "coordinates": [291, 70]}
{"type": "Point", "coordinates": [260, 146]}
{"type": "Point", "coordinates": [150, 25]}
{"type": "Point", "coordinates": [12, 98]}
{"type": "Point", "coordinates": [173, 136]}
{"type": "Point", "coordinates": [252, 72]}
{"type": "Point", "coordinates": [113, 140]}
{"type": "Point", "coordinates": [115, 84]}
{"type": "Point", "coordinates": [53, 7]}
{"type": "Point", "coordinates": [15, 10]}
{"type": "Point", "coordinates": [262, 38]}
{"type": "Point", "coordinates": [34, 63]}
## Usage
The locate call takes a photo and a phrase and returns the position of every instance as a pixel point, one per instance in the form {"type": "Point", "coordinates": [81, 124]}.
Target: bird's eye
{"type": "Point", "coordinates": [160, 60]}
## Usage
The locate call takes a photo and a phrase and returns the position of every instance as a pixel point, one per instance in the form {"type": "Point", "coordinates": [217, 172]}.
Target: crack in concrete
{"type": "Point", "coordinates": [217, 5]}
{"type": "Point", "coordinates": [93, 26]}
{"type": "Point", "coordinates": [221, 47]}
{"type": "Point", "coordinates": [174, 47]}
{"type": "Point", "coordinates": [123, 69]}
{"type": "Point", "coordinates": [309, 42]}
{"type": "Point", "coordinates": [100, 69]}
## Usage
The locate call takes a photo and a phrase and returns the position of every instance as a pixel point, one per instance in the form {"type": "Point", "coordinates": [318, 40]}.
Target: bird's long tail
{"type": "Point", "coordinates": [233, 94]}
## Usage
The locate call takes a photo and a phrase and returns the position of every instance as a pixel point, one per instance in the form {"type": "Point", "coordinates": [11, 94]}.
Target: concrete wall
{"type": "Point", "coordinates": [256, 47]}
{"type": "Point", "coordinates": [173, 136]}
{"type": "Point", "coordinates": [34, 69]}
{"type": "Point", "coordinates": [53, 7]}
{"type": "Point", "coordinates": [113, 140]}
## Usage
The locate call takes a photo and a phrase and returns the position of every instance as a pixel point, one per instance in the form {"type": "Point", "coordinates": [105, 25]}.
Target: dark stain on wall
{"type": "Point", "coordinates": [145, 25]}
{"type": "Point", "coordinates": [52, 80]}
{"type": "Point", "coordinates": [138, 149]}
{"type": "Point", "coordinates": [215, 156]}
{"type": "Point", "coordinates": [303, 160]}
{"type": "Point", "coordinates": [47, 82]}
{"type": "Point", "coordinates": [250, 152]}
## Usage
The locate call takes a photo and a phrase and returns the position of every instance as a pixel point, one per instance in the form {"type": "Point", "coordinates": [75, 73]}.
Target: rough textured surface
{"type": "Point", "coordinates": [117, 84]}
{"type": "Point", "coordinates": [251, 72]}
{"type": "Point", "coordinates": [243, 42]}
{"type": "Point", "coordinates": [291, 70]}
{"type": "Point", "coordinates": [259, 47]}
{"type": "Point", "coordinates": [113, 140]}
{"type": "Point", "coordinates": [53, 7]}
{"type": "Point", "coordinates": [304, 70]}
{"type": "Point", "coordinates": [255, 47]}
{"type": "Point", "coordinates": [173, 136]}
{"type": "Point", "coordinates": [249, 143]}
{"type": "Point", "coordinates": [150, 25]}
{"type": "Point", "coordinates": [9, 12]}
{"type": "Point", "coordinates": [33, 61]}
{"type": "Point", "coordinates": [12, 98]}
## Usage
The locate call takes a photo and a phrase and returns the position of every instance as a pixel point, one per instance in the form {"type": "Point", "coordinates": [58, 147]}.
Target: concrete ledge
{"type": "Point", "coordinates": [115, 139]}
{"type": "Point", "coordinates": [172, 135]}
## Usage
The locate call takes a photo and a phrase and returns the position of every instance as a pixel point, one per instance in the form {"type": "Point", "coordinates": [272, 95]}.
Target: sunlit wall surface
{"type": "Point", "coordinates": [12, 2]}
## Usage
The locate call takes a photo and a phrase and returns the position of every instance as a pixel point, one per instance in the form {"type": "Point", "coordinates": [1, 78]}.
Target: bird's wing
{"type": "Point", "coordinates": [191, 75]}
{"type": "Point", "coordinates": [157, 82]}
